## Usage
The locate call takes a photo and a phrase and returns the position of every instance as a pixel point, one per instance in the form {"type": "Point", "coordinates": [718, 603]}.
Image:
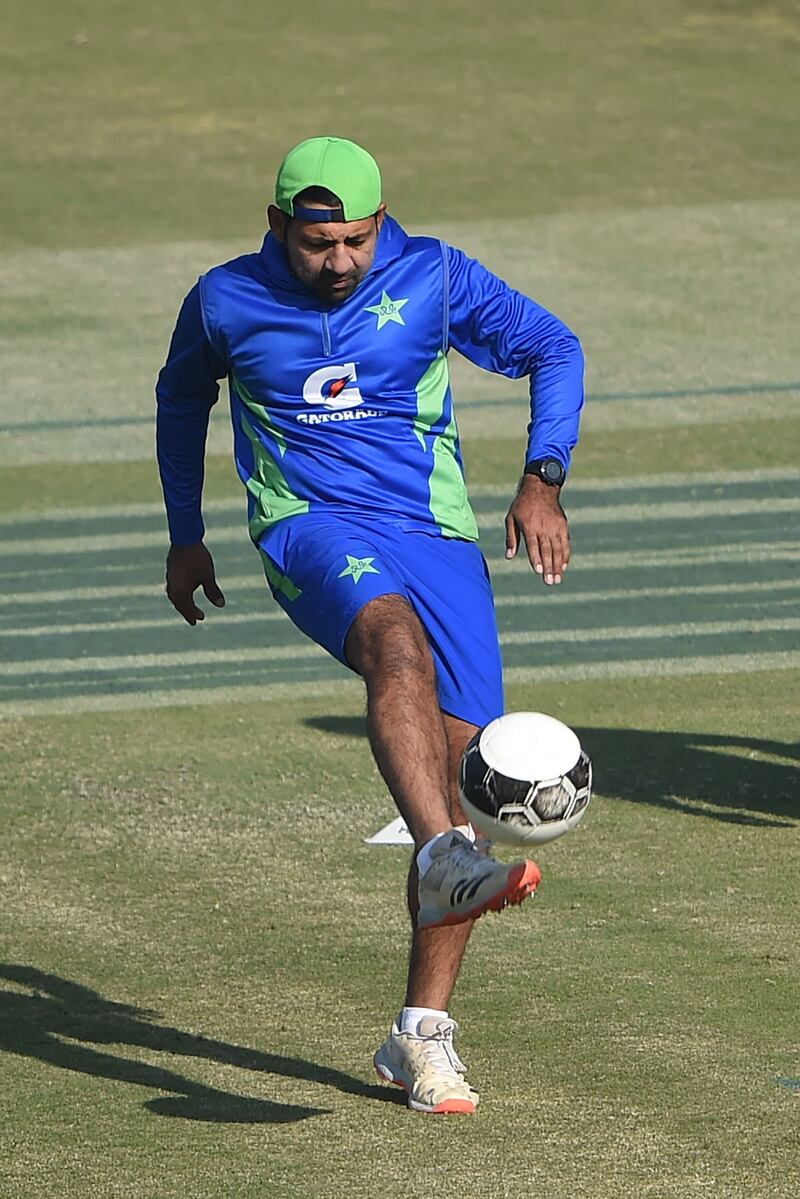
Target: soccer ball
{"type": "Point", "coordinates": [524, 779]}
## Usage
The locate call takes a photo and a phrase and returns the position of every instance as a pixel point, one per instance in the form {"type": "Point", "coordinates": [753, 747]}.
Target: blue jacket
{"type": "Point", "coordinates": [347, 407]}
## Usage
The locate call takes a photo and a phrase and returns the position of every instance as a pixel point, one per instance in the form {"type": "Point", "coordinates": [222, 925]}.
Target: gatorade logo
{"type": "Point", "coordinates": [333, 387]}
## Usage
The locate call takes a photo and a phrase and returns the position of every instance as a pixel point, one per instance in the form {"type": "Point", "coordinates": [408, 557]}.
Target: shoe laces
{"type": "Point", "coordinates": [457, 849]}
{"type": "Point", "coordinates": [466, 858]}
{"type": "Point", "coordinates": [440, 1051]}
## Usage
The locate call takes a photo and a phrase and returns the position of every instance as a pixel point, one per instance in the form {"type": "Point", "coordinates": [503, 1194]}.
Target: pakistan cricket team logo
{"type": "Point", "coordinates": [388, 310]}
{"type": "Point", "coordinates": [356, 567]}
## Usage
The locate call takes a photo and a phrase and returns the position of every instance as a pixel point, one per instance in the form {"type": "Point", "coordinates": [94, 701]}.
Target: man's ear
{"type": "Point", "coordinates": [277, 221]}
{"type": "Point", "coordinates": [379, 215]}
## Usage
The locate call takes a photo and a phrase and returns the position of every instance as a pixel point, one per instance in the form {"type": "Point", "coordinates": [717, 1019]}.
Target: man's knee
{"type": "Point", "coordinates": [387, 638]}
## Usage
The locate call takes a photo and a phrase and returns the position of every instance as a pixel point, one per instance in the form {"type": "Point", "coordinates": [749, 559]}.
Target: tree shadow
{"type": "Point", "coordinates": [35, 1024]}
{"type": "Point", "coordinates": [734, 779]}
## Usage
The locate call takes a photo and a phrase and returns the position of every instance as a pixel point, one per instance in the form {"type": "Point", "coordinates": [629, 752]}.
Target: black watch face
{"type": "Point", "coordinates": [552, 471]}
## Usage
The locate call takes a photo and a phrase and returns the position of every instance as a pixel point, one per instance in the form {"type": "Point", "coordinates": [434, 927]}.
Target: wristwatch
{"type": "Point", "coordinates": [549, 470]}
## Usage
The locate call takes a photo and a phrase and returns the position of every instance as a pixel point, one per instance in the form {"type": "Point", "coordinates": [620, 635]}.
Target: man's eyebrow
{"type": "Point", "coordinates": [321, 240]}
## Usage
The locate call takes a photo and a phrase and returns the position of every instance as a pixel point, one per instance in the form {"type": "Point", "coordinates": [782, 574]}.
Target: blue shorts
{"type": "Point", "coordinates": [323, 569]}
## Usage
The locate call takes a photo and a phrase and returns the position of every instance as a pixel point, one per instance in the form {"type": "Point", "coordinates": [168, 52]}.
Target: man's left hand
{"type": "Point", "coordinates": [536, 514]}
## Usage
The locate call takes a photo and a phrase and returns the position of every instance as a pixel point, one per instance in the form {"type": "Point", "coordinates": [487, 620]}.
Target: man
{"type": "Point", "coordinates": [334, 340]}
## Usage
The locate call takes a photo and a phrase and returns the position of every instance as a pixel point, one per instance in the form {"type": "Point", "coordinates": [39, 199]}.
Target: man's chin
{"type": "Point", "coordinates": [337, 293]}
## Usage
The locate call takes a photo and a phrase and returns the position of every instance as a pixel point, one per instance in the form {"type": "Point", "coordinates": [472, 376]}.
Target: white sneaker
{"type": "Point", "coordinates": [427, 1066]}
{"type": "Point", "coordinates": [462, 883]}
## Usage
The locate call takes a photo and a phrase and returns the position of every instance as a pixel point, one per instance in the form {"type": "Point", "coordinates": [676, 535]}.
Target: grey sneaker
{"type": "Point", "coordinates": [427, 1067]}
{"type": "Point", "coordinates": [462, 883]}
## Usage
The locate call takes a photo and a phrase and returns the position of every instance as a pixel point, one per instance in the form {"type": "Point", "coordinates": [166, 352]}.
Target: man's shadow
{"type": "Point", "coordinates": [46, 1019]}
{"type": "Point", "coordinates": [741, 780]}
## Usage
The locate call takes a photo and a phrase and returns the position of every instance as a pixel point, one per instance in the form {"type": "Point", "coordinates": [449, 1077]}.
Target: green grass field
{"type": "Point", "coordinates": [199, 952]}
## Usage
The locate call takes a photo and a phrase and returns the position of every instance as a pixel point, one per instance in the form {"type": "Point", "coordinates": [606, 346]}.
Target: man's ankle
{"type": "Point", "coordinates": [409, 1018]}
{"type": "Point", "coordinates": [424, 853]}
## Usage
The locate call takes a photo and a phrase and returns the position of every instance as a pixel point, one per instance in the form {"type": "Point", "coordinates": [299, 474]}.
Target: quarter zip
{"type": "Point", "coordinates": [326, 334]}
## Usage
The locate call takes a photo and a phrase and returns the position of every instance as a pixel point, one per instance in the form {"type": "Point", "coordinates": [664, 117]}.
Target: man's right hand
{"type": "Point", "coordinates": [190, 567]}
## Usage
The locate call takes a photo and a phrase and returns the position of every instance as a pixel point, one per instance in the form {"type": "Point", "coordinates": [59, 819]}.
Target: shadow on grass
{"type": "Point", "coordinates": [343, 726]}
{"type": "Point", "coordinates": [46, 1024]}
{"type": "Point", "coordinates": [742, 780]}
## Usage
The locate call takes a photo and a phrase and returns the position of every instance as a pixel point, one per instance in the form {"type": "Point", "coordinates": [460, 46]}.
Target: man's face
{"type": "Point", "coordinates": [330, 258]}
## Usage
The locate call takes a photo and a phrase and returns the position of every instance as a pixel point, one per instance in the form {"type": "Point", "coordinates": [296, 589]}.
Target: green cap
{"type": "Point", "coordinates": [334, 163]}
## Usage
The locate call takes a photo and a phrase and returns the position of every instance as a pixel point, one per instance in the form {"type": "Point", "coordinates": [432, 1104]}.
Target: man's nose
{"type": "Point", "coordinates": [338, 260]}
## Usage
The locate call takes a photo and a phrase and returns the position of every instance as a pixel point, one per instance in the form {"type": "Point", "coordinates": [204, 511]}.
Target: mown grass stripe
{"type": "Point", "coordinates": [179, 679]}
{"type": "Point", "coordinates": [244, 668]}
{"type": "Point", "coordinates": [691, 556]}
{"type": "Point", "coordinates": [695, 556]}
{"type": "Point", "coordinates": [677, 511]}
{"type": "Point", "coordinates": [627, 488]}
{"type": "Point", "coordinates": [681, 510]}
{"type": "Point", "coordinates": [689, 544]}
{"type": "Point", "coordinates": [159, 661]}
{"type": "Point", "coordinates": [199, 657]}
{"type": "Point", "coordinates": [640, 593]}
{"type": "Point", "coordinates": [699, 628]}
{"type": "Point", "coordinates": [122, 626]}
{"type": "Point", "coordinates": [196, 697]}
{"type": "Point", "coordinates": [131, 419]}
{"type": "Point", "coordinates": [561, 598]}
{"type": "Point", "coordinates": [683, 393]}
{"type": "Point", "coordinates": [574, 673]}
{"type": "Point", "coordinates": [656, 667]}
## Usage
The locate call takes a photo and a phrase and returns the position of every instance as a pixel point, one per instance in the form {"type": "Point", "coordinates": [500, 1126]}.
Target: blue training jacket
{"type": "Point", "coordinates": [347, 407]}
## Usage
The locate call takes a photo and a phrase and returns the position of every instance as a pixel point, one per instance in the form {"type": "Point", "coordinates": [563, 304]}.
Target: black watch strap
{"type": "Point", "coordinates": [549, 470]}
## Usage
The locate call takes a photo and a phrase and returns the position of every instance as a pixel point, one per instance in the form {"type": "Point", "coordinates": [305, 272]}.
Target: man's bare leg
{"type": "Point", "coordinates": [388, 647]}
{"type": "Point", "coordinates": [418, 749]}
{"type": "Point", "coordinates": [436, 953]}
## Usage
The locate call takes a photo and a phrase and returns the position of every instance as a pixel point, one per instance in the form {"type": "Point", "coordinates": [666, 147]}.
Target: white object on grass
{"type": "Point", "coordinates": [394, 833]}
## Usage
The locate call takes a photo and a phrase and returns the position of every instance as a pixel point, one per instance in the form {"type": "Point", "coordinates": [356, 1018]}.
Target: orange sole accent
{"type": "Point", "coordinates": [450, 1107]}
{"type": "Point", "coordinates": [522, 882]}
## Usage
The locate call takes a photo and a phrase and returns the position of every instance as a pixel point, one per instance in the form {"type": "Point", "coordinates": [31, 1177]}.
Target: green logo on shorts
{"type": "Point", "coordinates": [356, 567]}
